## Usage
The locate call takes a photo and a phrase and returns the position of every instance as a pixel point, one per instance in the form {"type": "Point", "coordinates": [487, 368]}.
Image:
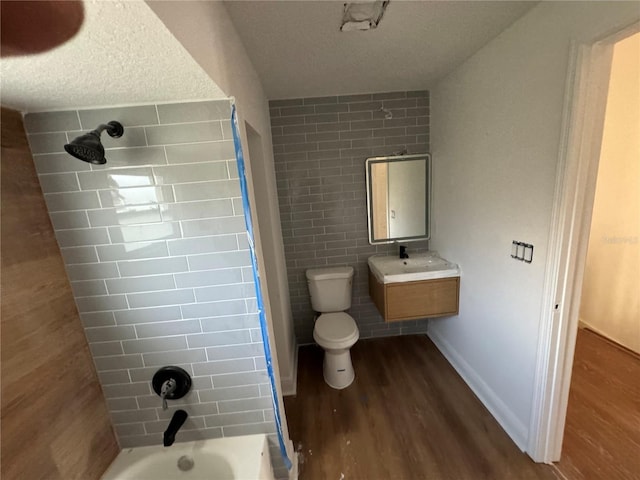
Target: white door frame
{"type": "Point", "coordinates": [583, 120]}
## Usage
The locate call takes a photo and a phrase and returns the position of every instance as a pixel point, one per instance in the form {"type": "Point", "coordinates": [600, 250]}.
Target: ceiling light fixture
{"type": "Point", "coordinates": [362, 15]}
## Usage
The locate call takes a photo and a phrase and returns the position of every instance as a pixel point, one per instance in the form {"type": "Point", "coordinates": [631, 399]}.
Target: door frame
{"type": "Point", "coordinates": [581, 138]}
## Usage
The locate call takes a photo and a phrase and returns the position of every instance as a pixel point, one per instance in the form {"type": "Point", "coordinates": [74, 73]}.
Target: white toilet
{"type": "Point", "coordinates": [334, 330]}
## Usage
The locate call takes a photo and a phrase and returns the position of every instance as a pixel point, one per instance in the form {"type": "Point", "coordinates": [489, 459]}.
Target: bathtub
{"type": "Point", "coordinates": [245, 458]}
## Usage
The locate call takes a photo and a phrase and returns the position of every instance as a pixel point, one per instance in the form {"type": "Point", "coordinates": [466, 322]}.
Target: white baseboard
{"type": "Point", "coordinates": [504, 416]}
{"type": "Point", "coordinates": [289, 384]}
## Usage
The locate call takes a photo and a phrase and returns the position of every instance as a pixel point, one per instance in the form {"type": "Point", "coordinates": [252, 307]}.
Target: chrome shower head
{"type": "Point", "coordinates": [88, 147]}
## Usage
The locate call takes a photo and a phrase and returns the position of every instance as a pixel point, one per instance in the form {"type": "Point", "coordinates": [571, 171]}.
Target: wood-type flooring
{"type": "Point", "coordinates": [602, 432]}
{"type": "Point", "coordinates": [408, 415]}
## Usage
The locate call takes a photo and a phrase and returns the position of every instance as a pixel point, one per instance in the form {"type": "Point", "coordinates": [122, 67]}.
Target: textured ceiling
{"type": "Point", "coordinates": [124, 54]}
{"type": "Point", "coordinates": [298, 50]}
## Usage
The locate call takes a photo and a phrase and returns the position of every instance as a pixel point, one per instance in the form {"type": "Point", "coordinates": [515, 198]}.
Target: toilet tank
{"type": "Point", "coordinates": [330, 288]}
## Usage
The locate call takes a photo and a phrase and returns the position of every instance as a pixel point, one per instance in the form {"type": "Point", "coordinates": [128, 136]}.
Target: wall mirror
{"type": "Point", "coordinates": [398, 198]}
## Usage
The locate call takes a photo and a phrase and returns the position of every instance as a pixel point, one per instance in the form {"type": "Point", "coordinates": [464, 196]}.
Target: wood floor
{"type": "Point", "coordinates": [602, 433]}
{"type": "Point", "coordinates": [408, 415]}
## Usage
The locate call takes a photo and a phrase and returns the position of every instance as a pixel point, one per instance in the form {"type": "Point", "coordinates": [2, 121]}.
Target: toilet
{"type": "Point", "coordinates": [335, 331]}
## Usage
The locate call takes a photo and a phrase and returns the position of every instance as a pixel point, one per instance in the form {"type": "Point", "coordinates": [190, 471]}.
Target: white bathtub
{"type": "Point", "coordinates": [245, 458]}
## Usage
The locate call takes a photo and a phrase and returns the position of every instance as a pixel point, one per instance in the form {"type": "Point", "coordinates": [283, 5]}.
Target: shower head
{"type": "Point", "coordinates": [88, 147]}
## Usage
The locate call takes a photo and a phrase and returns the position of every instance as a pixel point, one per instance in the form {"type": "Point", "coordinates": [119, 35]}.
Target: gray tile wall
{"type": "Point", "coordinates": [155, 247]}
{"type": "Point", "coordinates": [320, 147]}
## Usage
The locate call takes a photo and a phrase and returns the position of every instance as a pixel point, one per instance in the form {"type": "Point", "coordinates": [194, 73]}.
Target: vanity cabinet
{"type": "Point", "coordinates": [415, 300]}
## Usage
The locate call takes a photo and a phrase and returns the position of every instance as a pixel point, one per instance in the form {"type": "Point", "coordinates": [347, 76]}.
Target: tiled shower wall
{"type": "Point", "coordinates": [320, 147]}
{"type": "Point", "coordinates": [155, 246]}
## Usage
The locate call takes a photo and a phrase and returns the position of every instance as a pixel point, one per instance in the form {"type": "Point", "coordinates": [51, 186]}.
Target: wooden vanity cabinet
{"type": "Point", "coordinates": [415, 300]}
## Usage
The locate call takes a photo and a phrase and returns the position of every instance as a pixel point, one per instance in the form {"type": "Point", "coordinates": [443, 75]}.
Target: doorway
{"type": "Point", "coordinates": [582, 137]}
{"type": "Point", "coordinates": [601, 436]}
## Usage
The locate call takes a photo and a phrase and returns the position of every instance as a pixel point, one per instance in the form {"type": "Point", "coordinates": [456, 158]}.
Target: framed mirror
{"type": "Point", "coordinates": [398, 198]}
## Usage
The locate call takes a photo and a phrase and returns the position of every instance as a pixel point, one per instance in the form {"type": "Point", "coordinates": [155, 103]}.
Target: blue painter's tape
{"type": "Point", "coordinates": [254, 262]}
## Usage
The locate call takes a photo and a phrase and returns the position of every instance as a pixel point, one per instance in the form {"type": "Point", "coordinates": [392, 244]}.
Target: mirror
{"type": "Point", "coordinates": [398, 198]}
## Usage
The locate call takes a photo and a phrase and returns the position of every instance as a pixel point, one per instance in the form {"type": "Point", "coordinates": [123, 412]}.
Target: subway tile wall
{"type": "Point", "coordinates": [320, 147]}
{"type": "Point", "coordinates": [155, 247]}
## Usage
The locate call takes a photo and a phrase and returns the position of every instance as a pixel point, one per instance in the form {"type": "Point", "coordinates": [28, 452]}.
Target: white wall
{"type": "Point", "coordinates": [495, 139]}
{"type": "Point", "coordinates": [206, 31]}
{"type": "Point", "coordinates": [610, 293]}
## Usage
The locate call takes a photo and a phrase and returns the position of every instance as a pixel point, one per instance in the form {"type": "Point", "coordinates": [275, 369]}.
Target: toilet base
{"type": "Point", "coordinates": [337, 368]}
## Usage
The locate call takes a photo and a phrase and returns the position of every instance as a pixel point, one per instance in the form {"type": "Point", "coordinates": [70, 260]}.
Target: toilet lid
{"type": "Point", "coordinates": [336, 327]}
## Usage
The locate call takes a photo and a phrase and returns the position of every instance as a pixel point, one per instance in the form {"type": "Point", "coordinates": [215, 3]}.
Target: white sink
{"type": "Point", "coordinates": [419, 266]}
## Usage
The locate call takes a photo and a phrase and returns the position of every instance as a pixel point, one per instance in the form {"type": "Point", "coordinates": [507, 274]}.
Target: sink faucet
{"type": "Point", "coordinates": [176, 422]}
{"type": "Point", "coordinates": [403, 252]}
{"type": "Point", "coordinates": [168, 388]}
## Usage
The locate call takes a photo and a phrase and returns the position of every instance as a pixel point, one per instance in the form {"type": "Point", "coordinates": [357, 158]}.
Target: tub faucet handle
{"type": "Point", "coordinates": [168, 388]}
{"type": "Point", "coordinates": [171, 383]}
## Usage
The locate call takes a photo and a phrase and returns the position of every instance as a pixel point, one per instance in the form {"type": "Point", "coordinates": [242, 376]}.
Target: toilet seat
{"type": "Point", "coordinates": [335, 330]}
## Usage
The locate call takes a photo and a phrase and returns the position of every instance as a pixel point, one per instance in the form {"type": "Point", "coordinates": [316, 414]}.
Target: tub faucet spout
{"type": "Point", "coordinates": [176, 422]}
